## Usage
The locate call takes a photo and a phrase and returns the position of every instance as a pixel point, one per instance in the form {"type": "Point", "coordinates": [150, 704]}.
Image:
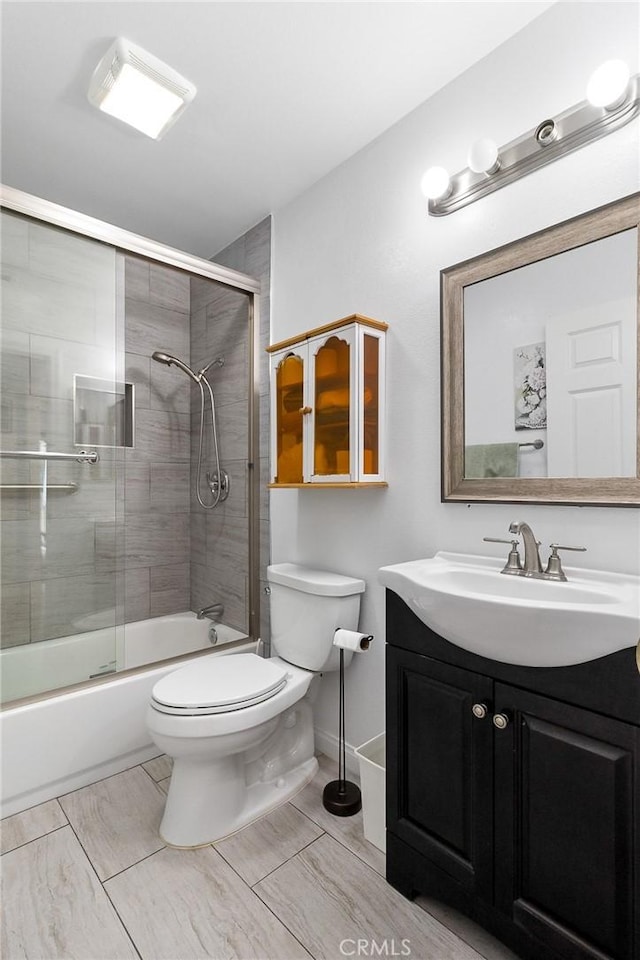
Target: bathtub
{"type": "Point", "coordinates": [72, 739]}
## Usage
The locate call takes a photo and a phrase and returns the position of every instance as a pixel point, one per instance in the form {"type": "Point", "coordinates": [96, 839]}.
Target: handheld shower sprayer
{"type": "Point", "coordinates": [218, 482]}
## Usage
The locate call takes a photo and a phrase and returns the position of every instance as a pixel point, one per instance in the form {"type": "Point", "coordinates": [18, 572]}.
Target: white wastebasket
{"type": "Point", "coordinates": [371, 758]}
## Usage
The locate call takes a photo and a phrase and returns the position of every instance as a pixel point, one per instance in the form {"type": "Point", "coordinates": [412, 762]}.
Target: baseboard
{"type": "Point", "coordinates": [329, 744]}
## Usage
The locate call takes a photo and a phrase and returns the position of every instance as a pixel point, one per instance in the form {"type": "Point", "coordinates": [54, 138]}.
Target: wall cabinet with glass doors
{"type": "Point", "coordinates": [327, 396]}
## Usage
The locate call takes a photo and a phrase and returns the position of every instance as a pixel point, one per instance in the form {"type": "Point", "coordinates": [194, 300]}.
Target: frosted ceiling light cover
{"type": "Point", "coordinates": [436, 183]}
{"type": "Point", "coordinates": [139, 89]}
{"type": "Point", "coordinates": [608, 84]}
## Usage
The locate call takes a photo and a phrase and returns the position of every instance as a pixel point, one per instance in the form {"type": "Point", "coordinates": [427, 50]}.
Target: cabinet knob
{"type": "Point", "coordinates": [480, 710]}
{"type": "Point", "coordinates": [305, 410]}
{"type": "Point", "coordinates": [500, 720]}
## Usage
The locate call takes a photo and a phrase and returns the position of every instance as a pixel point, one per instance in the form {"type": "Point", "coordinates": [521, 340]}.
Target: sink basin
{"type": "Point", "coordinates": [520, 620]}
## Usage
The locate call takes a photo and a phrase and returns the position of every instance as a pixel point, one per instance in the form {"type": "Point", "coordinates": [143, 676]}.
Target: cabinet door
{"type": "Point", "coordinates": [371, 404]}
{"type": "Point", "coordinates": [333, 439]}
{"type": "Point", "coordinates": [440, 769]}
{"type": "Point", "coordinates": [289, 390]}
{"type": "Point", "coordinates": [566, 817]}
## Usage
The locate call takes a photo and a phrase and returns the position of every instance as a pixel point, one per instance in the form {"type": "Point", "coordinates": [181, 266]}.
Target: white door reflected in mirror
{"type": "Point", "coordinates": [550, 354]}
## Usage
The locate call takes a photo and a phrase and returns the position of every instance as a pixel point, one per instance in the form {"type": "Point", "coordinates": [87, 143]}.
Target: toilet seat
{"type": "Point", "coordinates": [218, 685]}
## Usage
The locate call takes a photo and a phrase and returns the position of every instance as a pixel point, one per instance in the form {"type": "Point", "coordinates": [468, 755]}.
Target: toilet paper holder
{"type": "Point", "coordinates": [342, 797]}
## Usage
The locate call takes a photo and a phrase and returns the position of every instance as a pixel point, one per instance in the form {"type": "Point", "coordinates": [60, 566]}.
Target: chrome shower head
{"type": "Point", "coordinates": [160, 357]}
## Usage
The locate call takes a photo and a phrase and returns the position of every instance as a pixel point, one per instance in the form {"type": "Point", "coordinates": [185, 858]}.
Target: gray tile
{"type": "Point", "coordinates": [233, 431]}
{"type": "Point", "coordinates": [71, 259]}
{"type": "Point", "coordinates": [55, 362]}
{"type": "Point", "coordinates": [234, 255]}
{"type": "Point", "coordinates": [44, 306]}
{"type": "Point", "coordinates": [15, 613]}
{"type": "Point", "coordinates": [117, 820]}
{"type": "Point", "coordinates": [136, 485]}
{"type": "Point", "coordinates": [109, 543]}
{"type": "Point", "coordinates": [14, 356]}
{"type": "Point", "coordinates": [150, 327]}
{"type": "Point", "coordinates": [258, 250]}
{"type": "Point", "coordinates": [17, 504]}
{"type": "Point", "coordinates": [203, 291]}
{"type": "Point", "coordinates": [236, 503]}
{"type": "Point", "coordinates": [466, 929]}
{"type": "Point", "coordinates": [159, 768]}
{"type": "Point", "coordinates": [69, 549]}
{"type": "Point", "coordinates": [338, 898]}
{"type": "Point", "coordinates": [74, 918]}
{"type": "Point", "coordinates": [348, 830]}
{"type": "Point", "coordinates": [199, 536]}
{"type": "Point", "coordinates": [261, 847]}
{"type": "Point", "coordinates": [265, 620]}
{"type": "Point", "coordinates": [190, 903]}
{"type": "Point", "coordinates": [170, 486]}
{"type": "Point", "coordinates": [28, 420]}
{"type": "Point", "coordinates": [137, 372]}
{"type": "Point", "coordinates": [95, 496]}
{"type": "Point", "coordinates": [136, 278]}
{"type": "Point", "coordinates": [136, 595]}
{"type": "Point", "coordinates": [65, 605]}
{"type": "Point", "coordinates": [156, 536]}
{"type": "Point", "coordinates": [15, 239]}
{"type": "Point", "coordinates": [206, 588]}
{"type": "Point", "coordinates": [169, 287]}
{"type": "Point", "coordinates": [169, 589]}
{"type": "Point", "coordinates": [161, 435]}
{"type": "Point", "coordinates": [31, 824]}
{"type": "Point", "coordinates": [227, 535]}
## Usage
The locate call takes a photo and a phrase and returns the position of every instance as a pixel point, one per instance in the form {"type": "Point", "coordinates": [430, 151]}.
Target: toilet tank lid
{"type": "Point", "coordinates": [320, 582]}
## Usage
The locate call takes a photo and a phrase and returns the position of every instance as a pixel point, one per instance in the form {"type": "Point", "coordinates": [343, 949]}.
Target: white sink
{"type": "Point", "coordinates": [538, 623]}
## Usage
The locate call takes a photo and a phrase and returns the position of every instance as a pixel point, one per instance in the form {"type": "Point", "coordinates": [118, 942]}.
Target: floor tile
{"type": "Point", "coordinates": [159, 768]}
{"type": "Point", "coordinates": [348, 830]}
{"type": "Point", "coordinates": [478, 938]}
{"type": "Point", "coordinates": [54, 907]}
{"type": "Point", "coordinates": [117, 820]}
{"type": "Point", "coordinates": [31, 824]}
{"type": "Point", "coordinates": [329, 900]}
{"type": "Point", "coordinates": [190, 904]}
{"type": "Point", "coordinates": [258, 849]}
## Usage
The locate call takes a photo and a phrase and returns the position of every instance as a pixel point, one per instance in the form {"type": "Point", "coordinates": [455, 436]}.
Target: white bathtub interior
{"type": "Point", "coordinates": [33, 668]}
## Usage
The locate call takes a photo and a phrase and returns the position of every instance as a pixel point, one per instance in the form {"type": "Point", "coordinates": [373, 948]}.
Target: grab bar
{"type": "Point", "coordinates": [82, 456]}
{"type": "Point", "coordinates": [68, 487]}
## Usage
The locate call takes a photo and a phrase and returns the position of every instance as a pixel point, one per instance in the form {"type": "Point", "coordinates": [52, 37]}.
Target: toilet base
{"type": "Point", "coordinates": [260, 798]}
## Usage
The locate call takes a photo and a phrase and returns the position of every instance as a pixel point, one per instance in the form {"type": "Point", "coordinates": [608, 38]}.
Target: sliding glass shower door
{"type": "Point", "coordinates": [66, 422]}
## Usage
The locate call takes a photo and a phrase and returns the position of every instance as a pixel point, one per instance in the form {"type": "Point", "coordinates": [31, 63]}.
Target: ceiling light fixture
{"type": "Point", "coordinates": [131, 84]}
{"type": "Point", "coordinates": [613, 99]}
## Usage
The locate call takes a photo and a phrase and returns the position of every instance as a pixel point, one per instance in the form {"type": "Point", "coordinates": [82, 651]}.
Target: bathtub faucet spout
{"type": "Point", "coordinates": [214, 611]}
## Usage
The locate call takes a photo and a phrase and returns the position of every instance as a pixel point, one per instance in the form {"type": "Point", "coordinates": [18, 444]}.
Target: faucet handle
{"type": "Point", "coordinates": [554, 569]}
{"type": "Point", "coordinates": [513, 564]}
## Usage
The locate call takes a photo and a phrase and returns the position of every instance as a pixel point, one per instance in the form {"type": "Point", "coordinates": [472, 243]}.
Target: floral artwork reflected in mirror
{"type": "Point", "coordinates": [530, 387]}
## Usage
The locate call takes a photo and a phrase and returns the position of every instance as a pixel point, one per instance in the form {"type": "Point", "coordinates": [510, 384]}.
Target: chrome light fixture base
{"type": "Point", "coordinates": [549, 140]}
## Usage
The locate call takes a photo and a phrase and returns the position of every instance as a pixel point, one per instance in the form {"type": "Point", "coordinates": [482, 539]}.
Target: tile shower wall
{"type": "Point", "coordinates": [219, 325]}
{"type": "Point", "coordinates": [59, 318]}
{"type": "Point", "coordinates": [153, 543]}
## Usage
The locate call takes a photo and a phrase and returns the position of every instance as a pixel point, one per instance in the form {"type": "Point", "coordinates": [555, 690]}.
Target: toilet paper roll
{"type": "Point", "coordinates": [351, 640]}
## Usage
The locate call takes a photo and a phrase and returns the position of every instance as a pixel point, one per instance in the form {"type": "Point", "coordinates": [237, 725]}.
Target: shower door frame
{"type": "Point", "coordinates": [123, 240]}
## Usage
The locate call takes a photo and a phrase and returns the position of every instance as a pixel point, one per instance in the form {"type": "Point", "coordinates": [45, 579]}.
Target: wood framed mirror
{"type": "Point", "coordinates": [539, 358]}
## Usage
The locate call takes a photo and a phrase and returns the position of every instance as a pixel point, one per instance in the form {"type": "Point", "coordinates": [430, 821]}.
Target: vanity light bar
{"type": "Point", "coordinates": [551, 139]}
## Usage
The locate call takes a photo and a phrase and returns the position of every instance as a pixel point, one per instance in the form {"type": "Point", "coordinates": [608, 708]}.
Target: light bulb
{"type": "Point", "coordinates": [436, 183]}
{"type": "Point", "coordinates": [483, 156]}
{"type": "Point", "coordinates": [608, 84]}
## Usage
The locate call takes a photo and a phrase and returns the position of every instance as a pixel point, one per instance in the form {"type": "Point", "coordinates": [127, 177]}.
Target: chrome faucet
{"type": "Point", "coordinates": [214, 612]}
{"type": "Point", "coordinates": [532, 566]}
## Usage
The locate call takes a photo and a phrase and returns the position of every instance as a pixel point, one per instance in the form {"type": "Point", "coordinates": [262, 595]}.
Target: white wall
{"type": "Point", "coordinates": [360, 241]}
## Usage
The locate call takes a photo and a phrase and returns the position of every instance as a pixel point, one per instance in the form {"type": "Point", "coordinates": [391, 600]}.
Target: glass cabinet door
{"type": "Point", "coordinates": [289, 418]}
{"type": "Point", "coordinates": [334, 427]}
{"type": "Point", "coordinates": [371, 404]}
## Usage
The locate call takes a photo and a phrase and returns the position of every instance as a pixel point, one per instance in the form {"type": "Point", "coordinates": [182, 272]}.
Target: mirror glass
{"type": "Point", "coordinates": [550, 366]}
{"type": "Point", "coordinates": [540, 387]}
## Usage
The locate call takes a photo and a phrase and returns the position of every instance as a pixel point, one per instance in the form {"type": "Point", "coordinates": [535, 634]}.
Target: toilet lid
{"type": "Point", "coordinates": [218, 685]}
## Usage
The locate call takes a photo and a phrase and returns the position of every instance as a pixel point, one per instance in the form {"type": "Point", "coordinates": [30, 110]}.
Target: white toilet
{"type": "Point", "coordinates": [239, 727]}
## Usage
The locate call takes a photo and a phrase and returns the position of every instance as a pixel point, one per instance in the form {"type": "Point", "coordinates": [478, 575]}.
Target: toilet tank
{"type": "Point", "coordinates": [307, 607]}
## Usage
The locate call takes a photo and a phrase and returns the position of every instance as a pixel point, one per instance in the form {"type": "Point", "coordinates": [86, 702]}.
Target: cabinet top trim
{"type": "Point", "coordinates": [335, 325]}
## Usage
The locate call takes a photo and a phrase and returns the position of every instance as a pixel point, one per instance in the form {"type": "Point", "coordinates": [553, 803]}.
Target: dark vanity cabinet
{"type": "Point", "coordinates": [513, 792]}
